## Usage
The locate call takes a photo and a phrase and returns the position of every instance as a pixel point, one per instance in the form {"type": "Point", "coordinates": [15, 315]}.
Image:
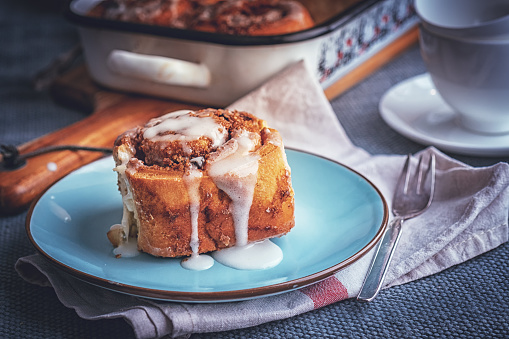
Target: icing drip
{"type": "Point", "coordinates": [254, 256]}
{"type": "Point", "coordinates": [236, 175]}
{"type": "Point", "coordinates": [192, 181]}
{"type": "Point", "coordinates": [127, 249]}
{"type": "Point", "coordinates": [197, 261]}
{"type": "Point", "coordinates": [275, 139]}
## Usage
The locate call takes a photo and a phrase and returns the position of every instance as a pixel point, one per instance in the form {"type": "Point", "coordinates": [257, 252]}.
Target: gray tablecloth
{"type": "Point", "coordinates": [466, 301]}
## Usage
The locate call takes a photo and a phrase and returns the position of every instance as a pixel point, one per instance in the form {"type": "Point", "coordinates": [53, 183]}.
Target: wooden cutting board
{"type": "Point", "coordinates": [112, 114]}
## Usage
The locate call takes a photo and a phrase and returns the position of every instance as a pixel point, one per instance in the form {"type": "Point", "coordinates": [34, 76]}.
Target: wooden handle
{"type": "Point", "coordinates": [19, 187]}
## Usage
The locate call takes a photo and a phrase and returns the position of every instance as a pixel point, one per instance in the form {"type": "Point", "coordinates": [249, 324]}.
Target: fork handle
{"type": "Point", "coordinates": [383, 255]}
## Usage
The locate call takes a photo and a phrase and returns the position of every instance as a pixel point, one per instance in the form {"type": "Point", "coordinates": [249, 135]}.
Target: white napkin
{"type": "Point", "coordinates": [468, 217]}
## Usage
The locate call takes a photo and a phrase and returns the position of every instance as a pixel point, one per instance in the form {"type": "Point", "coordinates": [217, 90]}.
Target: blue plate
{"type": "Point", "coordinates": [339, 215]}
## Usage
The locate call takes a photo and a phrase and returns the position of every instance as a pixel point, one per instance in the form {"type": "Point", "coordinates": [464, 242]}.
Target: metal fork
{"type": "Point", "coordinates": [413, 196]}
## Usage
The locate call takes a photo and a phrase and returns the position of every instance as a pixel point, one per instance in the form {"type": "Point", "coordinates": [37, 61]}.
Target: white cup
{"type": "Point", "coordinates": [468, 19]}
{"type": "Point", "coordinates": [472, 76]}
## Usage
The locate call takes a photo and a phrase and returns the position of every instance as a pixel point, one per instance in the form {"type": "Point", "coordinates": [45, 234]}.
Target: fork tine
{"type": "Point", "coordinates": [424, 174]}
{"type": "Point", "coordinates": [419, 177]}
{"type": "Point", "coordinates": [404, 177]}
{"type": "Point", "coordinates": [431, 173]}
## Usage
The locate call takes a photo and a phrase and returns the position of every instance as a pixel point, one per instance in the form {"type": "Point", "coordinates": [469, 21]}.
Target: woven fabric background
{"type": "Point", "coordinates": [470, 300]}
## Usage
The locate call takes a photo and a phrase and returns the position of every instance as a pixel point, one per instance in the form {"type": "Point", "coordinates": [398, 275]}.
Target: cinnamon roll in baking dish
{"type": "Point", "coordinates": [248, 17]}
{"type": "Point", "coordinates": [152, 12]}
{"type": "Point", "coordinates": [240, 17]}
{"type": "Point", "coordinates": [200, 181]}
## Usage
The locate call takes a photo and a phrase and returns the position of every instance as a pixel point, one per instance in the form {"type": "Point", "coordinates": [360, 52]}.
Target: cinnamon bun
{"type": "Point", "coordinates": [239, 17]}
{"type": "Point", "coordinates": [199, 181]}
{"type": "Point", "coordinates": [171, 13]}
{"type": "Point", "coordinates": [248, 17]}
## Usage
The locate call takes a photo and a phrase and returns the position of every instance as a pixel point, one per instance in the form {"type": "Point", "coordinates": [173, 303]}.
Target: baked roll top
{"type": "Point", "coordinates": [238, 17]}
{"type": "Point", "coordinates": [194, 182]}
{"type": "Point", "coordinates": [171, 13]}
{"type": "Point", "coordinates": [252, 17]}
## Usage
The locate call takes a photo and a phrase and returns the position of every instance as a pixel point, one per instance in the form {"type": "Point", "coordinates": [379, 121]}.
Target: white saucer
{"type": "Point", "coordinates": [416, 110]}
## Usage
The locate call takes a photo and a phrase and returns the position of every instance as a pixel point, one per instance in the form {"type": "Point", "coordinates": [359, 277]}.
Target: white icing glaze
{"type": "Point", "coordinates": [127, 249]}
{"type": "Point", "coordinates": [127, 197]}
{"type": "Point", "coordinates": [197, 262]}
{"type": "Point", "coordinates": [185, 128]}
{"type": "Point", "coordinates": [276, 140]}
{"type": "Point", "coordinates": [124, 159]}
{"type": "Point", "coordinates": [192, 181]}
{"type": "Point", "coordinates": [236, 175]}
{"type": "Point", "coordinates": [273, 138]}
{"type": "Point", "coordinates": [198, 161]}
{"type": "Point", "coordinates": [253, 256]}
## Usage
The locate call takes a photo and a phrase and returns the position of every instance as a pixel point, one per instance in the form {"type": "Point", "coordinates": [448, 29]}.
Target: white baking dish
{"type": "Point", "coordinates": [216, 69]}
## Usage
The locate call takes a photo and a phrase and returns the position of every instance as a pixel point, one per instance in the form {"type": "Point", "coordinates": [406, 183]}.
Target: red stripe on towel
{"type": "Point", "coordinates": [326, 292]}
